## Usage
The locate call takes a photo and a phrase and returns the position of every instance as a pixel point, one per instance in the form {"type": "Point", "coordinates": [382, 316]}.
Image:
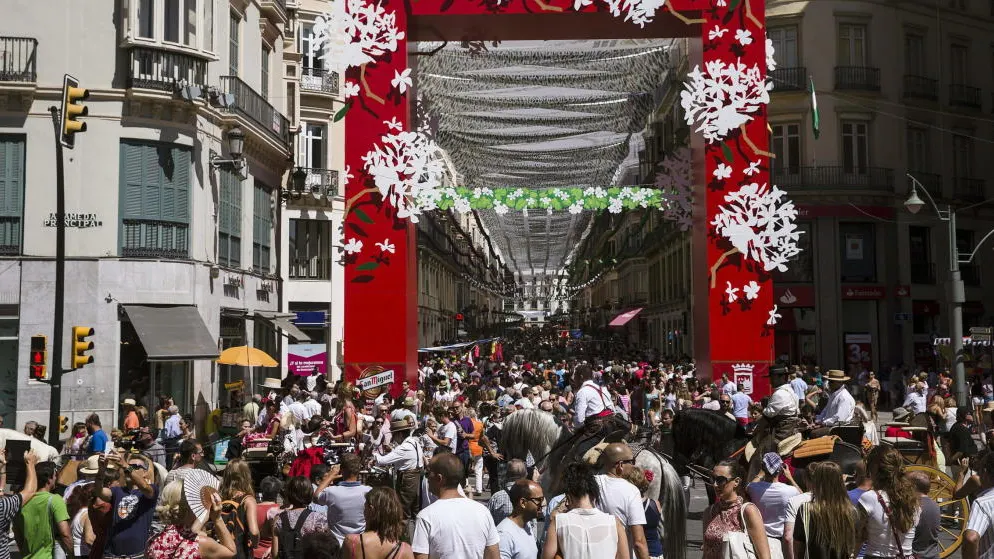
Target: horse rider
{"type": "Point", "coordinates": [595, 417]}
{"type": "Point", "coordinates": [780, 416]}
{"type": "Point", "coordinates": [840, 407]}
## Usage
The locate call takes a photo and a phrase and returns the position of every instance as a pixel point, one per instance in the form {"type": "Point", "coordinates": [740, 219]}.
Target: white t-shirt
{"type": "Point", "coordinates": [516, 542]}
{"type": "Point", "coordinates": [982, 522]}
{"type": "Point", "coordinates": [623, 500]}
{"type": "Point", "coordinates": [879, 536]}
{"type": "Point", "coordinates": [793, 504]}
{"type": "Point", "coordinates": [772, 500]}
{"type": "Point", "coordinates": [454, 529]}
{"type": "Point", "coordinates": [448, 431]}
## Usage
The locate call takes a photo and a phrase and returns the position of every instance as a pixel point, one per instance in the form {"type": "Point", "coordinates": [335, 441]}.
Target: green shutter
{"type": "Point", "coordinates": [132, 183]}
{"type": "Point", "coordinates": [11, 176]}
{"type": "Point", "coordinates": [181, 185]}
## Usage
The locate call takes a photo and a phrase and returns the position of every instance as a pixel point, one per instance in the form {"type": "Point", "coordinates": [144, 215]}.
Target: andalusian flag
{"type": "Point", "coordinates": [815, 119]}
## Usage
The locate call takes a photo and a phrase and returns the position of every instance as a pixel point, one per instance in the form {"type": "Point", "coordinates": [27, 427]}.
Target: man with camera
{"type": "Point", "coordinates": [408, 459]}
{"type": "Point", "coordinates": [133, 506]}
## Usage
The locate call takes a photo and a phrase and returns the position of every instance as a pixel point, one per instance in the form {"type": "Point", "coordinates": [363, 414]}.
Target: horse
{"type": "Point", "coordinates": [544, 436]}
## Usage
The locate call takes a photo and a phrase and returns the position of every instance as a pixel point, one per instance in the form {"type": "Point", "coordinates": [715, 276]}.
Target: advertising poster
{"type": "Point", "coordinates": [859, 351]}
{"type": "Point", "coordinates": [307, 359]}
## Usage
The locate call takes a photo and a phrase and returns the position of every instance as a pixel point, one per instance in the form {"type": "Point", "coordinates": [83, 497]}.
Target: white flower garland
{"type": "Point", "coordinates": [722, 98]}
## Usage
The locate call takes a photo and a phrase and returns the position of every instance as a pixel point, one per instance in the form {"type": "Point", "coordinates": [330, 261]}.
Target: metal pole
{"type": "Point", "coordinates": [956, 299]}
{"type": "Point", "coordinates": [55, 368]}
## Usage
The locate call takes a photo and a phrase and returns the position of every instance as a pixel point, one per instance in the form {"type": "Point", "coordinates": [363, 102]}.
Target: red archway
{"type": "Point", "coordinates": [733, 287]}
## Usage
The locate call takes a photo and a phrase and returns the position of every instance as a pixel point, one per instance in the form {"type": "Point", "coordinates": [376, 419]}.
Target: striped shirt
{"type": "Point", "coordinates": [9, 506]}
{"type": "Point", "coordinates": [982, 522]}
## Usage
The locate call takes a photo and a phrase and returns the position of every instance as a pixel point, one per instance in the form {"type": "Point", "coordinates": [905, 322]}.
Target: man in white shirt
{"type": "Point", "coordinates": [447, 432]}
{"type": "Point", "coordinates": [727, 386]}
{"type": "Point", "coordinates": [312, 404]}
{"type": "Point", "coordinates": [780, 416]}
{"type": "Point", "coordinates": [517, 537]}
{"type": "Point", "coordinates": [840, 407]}
{"type": "Point", "coordinates": [408, 459]}
{"type": "Point", "coordinates": [740, 405]}
{"type": "Point", "coordinates": [790, 516]}
{"type": "Point", "coordinates": [621, 498]}
{"type": "Point", "coordinates": [978, 541]}
{"type": "Point", "coordinates": [591, 399]}
{"type": "Point", "coordinates": [772, 496]}
{"type": "Point", "coordinates": [453, 527]}
{"type": "Point", "coordinates": [915, 402]}
{"type": "Point", "coordinates": [525, 402]}
{"type": "Point", "coordinates": [783, 402]}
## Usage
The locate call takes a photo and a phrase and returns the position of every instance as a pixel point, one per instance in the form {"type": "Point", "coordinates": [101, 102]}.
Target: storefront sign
{"type": "Point", "coordinates": [232, 386]}
{"type": "Point", "coordinates": [854, 247]}
{"type": "Point", "coordinates": [77, 220]}
{"type": "Point", "coordinates": [903, 291]}
{"type": "Point", "coordinates": [810, 211]}
{"type": "Point", "coordinates": [859, 351]}
{"type": "Point", "coordinates": [863, 292]}
{"type": "Point", "coordinates": [794, 295]}
{"type": "Point", "coordinates": [925, 308]}
{"type": "Point", "coordinates": [375, 381]}
{"type": "Point", "coordinates": [307, 359]}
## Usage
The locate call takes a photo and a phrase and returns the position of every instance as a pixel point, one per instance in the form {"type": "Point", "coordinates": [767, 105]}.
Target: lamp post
{"type": "Point", "coordinates": [957, 294]}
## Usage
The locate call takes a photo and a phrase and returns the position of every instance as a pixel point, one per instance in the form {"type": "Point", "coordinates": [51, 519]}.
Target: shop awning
{"type": "Point", "coordinates": [282, 322]}
{"type": "Point", "coordinates": [172, 333]}
{"type": "Point", "coordinates": [624, 317]}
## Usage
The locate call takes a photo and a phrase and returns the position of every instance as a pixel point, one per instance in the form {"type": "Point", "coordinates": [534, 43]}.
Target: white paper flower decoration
{"type": "Point", "coordinates": [638, 12]}
{"type": "Point", "coordinates": [402, 80]}
{"type": "Point", "coordinates": [722, 98]}
{"type": "Point", "coordinates": [350, 89]}
{"type": "Point", "coordinates": [751, 290]}
{"type": "Point", "coordinates": [353, 246]}
{"type": "Point", "coordinates": [353, 33]}
{"type": "Point", "coordinates": [406, 171]}
{"type": "Point", "coordinates": [676, 183]}
{"type": "Point", "coordinates": [732, 292]}
{"type": "Point", "coordinates": [761, 224]}
{"type": "Point", "coordinates": [774, 317]}
{"type": "Point", "coordinates": [386, 246]}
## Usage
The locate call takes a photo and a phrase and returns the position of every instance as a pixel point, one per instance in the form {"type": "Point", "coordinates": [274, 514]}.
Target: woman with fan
{"type": "Point", "coordinates": [179, 540]}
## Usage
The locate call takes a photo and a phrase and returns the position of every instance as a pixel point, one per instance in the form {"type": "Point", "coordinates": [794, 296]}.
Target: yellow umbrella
{"type": "Point", "coordinates": [246, 356]}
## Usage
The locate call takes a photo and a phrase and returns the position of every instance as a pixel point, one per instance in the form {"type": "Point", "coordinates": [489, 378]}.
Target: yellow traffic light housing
{"type": "Point", "coordinates": [72, 109]}
{"type": "Point", "coordinates": [80, 345]}
{"type": "Point", "coordinates": [63, 423]}
{"type": "Point", "coordinates": [38, 368]}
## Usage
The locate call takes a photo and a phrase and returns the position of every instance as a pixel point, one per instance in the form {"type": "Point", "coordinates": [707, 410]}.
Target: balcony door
{"type": "Point", "coordinates": [785, 46]}
{"type": "Point", "coordinates": [852, 45]}
{"type": "Point", "coordinates": [855, 148]}
{"type": "Point", "coordinates": [787, 147]}
{"type": "Point", "coordinates": [311, 62]}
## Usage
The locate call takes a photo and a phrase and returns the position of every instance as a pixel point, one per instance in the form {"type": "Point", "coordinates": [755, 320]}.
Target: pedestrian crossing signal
{"type": "Point", "coordinates": [38, 368]}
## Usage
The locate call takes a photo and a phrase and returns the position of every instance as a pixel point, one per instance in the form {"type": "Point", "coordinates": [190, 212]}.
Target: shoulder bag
{"type": "Point", "coordinates": [738, 544]}
{"type": "Point", "coordinates": [893, 530]}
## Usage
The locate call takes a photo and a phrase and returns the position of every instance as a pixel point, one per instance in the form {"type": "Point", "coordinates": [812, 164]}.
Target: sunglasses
{"type": "Point", "coordinates": [630, 461]}
{"type": "Point", "coordinates": [536, 500]}
{"type": "Point", "coordinates": [719, 481]}
{"type": "Point", "coordinates": [137, 467]}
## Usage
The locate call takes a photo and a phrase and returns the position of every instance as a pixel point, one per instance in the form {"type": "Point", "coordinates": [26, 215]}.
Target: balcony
{"type": "Point", "coordinates": [18, 57]}
{"type": "Point", "coordinates": [970, 273]}
{"type": "Point", "coordinates": [922, 273]}
{"type": "Point", "coordinates": [152, 238]}
{"type": "Point", "coordinates": [834, 178]}
{"type": "Point", "coordinates": [968, 190]}
{"type": "Point", "coordinates": [165, 70]}
{"type": "Point", "coordinates": [254, 107]}
{"type": "Point", "coordinates": [310, 268]}
{"type": "Point", "coordinates": [964, 96]}
{"type": "Point", "coordinates": [862, 78]}
{"type": "Point", "coordinates": [275, 10]}
{"type": "Point", "coordinates": [920, 87]}
{"type": "Point", "coordinates": [318, 188]}
{"type": "Point", "coordinates": [319, 80]}
{"type": "Point", "coordinates": [790, 79]}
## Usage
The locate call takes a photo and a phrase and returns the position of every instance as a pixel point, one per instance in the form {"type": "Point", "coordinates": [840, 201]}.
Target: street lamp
{"type": "Point", "coordinates": [957, 294]}
{"type": "Point", "coordinates": [236, 149]}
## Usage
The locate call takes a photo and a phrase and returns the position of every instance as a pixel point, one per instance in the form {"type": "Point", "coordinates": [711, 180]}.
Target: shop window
{"type": "Point", "coordinates": [9, 378]}
{"type": "Point", "coordinates": [800, 268]}
{"type": "Point", "coordinates": [232, 335]}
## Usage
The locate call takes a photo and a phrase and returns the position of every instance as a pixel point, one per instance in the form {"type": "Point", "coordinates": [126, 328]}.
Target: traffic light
{"type": "Point", "coordinates": [72, 108]}
{"type": "Point", "coordinates": [63, 423]}
{"type": "Point", "coordinates": [38, 369]}
{"type": "Point", "coordinates": [80, 346]}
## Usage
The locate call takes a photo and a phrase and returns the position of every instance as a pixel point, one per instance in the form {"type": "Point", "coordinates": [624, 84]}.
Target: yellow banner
{"type": "Point", "coordinates": [232, 386]}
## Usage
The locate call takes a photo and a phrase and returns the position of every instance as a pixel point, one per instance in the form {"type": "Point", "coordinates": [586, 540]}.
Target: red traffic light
{"type": "Point", "coordinates": [37, 357]}
{"type": "Point", "coordinates": [459, 316]}
{"type": "Point", "coordinates": [38, 372]}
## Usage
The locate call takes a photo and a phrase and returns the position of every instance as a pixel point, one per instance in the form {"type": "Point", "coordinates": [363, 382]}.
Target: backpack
{"type": "Point", "coordinates": [290, 536]}
{"type": "Point", "coordinates": [234, 516]}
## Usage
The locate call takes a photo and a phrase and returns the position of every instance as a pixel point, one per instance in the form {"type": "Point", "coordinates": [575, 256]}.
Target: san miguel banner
{"type": "Point", "coordinates": [307, 359]}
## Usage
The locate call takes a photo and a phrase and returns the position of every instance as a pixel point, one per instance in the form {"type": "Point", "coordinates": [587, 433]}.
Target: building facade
{"type": "Point", "coordinates": [171, 251]}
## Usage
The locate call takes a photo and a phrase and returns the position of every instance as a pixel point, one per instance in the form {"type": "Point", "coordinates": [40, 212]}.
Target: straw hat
{"type": "Point", "coordinates": [835, 375]}
{"type": "Point", "coordinates": [128, 402]}
{"type": "Point", "coordinates": [402, 424]}
{"type": "Point", "coordinates": [92, 466]}
{"type": "Point", "coordinates": [786, 446]}
{"type": "Point", "coordinates": [901, 415]}
{"type": "Point", "coordinates": [272, 383]}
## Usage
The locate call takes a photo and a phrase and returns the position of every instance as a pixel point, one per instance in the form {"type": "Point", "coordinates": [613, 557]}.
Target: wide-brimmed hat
{"type": "Point", "coordinates": [128, 402]}
{"type": "Point", "coordinates": [779, 370]}
{"type": "Point", "coordinates": [901, 414]}
{"type": "Point", "coordinates": [402, 424]}
{"type": "Point", "coordinates": [835, 375]}
{"type": "Point", "coordinates": [92, 466]}
{"type": "Point", "coordinates": [271, 382]}
{"type": "Point", "coordinates": [786, 446]}
{"type": "Point", "coordinates": [408, 402]}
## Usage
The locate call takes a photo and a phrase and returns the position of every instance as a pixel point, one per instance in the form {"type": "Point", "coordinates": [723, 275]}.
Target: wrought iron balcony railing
{"type": "Point", "coordinates": [920, 87]}
{"type": "Point", "coordinates": [804, 178]}
{"type": "Point", "coordinates": [863, 78]}
{"type": "Point", "coordinates": [11, 230]}
{"type": "Point", "coordinates": [790, 79]}
{"type": "Point", "coordinates": [153, 238]}
{"type": "Point", "coordinates": [323, 182]}
{"type": "Point", "coordinates": [163, 70]}
{"type": "Point", "coordinates": [18, 58]}
{"type": "Point", "coordinates": [968, 189]}
{"type": "Point", "coordinates": [931, 181]}
{"type": "Point", "coordinates": [311, 268]}
{"type": "Point", "coordinates": [319, 80]}
{"type": "Point", "coordinates": [254, 107]}
{"type": "Point", "coordinates": [961, 95]}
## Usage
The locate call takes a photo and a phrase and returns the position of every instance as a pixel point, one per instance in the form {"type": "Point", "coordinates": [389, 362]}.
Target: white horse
{"type": "Point", "coordinates": [45, 453]}
{"type": "Point", "coordinates": [538, 432]}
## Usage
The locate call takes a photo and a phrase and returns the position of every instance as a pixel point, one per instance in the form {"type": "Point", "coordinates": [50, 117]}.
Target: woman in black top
{"type": "Point", "coordinates": [825, 527]}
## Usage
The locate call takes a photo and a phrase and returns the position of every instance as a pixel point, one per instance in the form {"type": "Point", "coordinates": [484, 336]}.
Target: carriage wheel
{"type": "Point", "coordinates": [954, 512]}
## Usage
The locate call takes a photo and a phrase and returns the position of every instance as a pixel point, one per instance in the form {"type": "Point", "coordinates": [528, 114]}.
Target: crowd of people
{"type": "Point", "coordinates": [148, 490]}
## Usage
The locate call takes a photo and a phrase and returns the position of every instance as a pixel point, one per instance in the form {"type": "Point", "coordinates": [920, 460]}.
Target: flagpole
{"type": "Point", "coordinates": [815, 120]}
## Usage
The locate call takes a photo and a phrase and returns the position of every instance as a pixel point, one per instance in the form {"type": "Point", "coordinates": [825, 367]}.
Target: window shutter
{"type": "Point", "coordinates": [132, 184]}
{"type": "Point", "coordinates": [236, 206]}
{"type": "Point", "coordinates": [11, 176]}
{"type": "Point", "coordinates": [182, 158]}
{"type": "Point", "coordinates": [152, 183]}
